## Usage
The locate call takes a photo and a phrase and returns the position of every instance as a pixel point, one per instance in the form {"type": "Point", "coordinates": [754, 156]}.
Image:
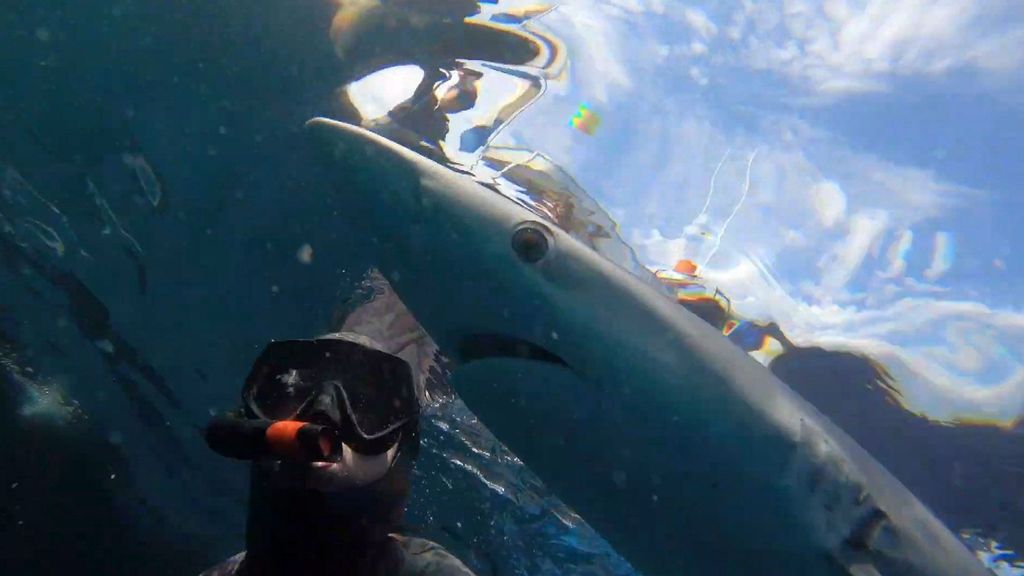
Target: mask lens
{"type": "Point", "coordinates": [374, 390]}
{"type": "Point", "coordinates": [282, 395]}
{"type": "Point", "coordinates": [378, 396]}
{"type": "Point", "coordinates": [283, 379]}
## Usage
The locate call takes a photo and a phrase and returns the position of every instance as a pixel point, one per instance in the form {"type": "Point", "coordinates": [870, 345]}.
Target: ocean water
{"type": "Point", "coordinates": [162, 217]}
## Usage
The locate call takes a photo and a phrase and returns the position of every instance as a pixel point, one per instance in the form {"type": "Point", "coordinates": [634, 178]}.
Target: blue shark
{"type": "Point", "coordinates": [687, 455]}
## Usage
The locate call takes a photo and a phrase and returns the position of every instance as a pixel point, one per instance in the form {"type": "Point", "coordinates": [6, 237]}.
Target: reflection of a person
{"type": "Point", "coordinates": [461, 95]}
{"type": "Point", "coordinates": [332, 429]}
{"type": "Point", "coordinates": [372, 35]}
{"type": "Point", "coordinates": [421, 121]}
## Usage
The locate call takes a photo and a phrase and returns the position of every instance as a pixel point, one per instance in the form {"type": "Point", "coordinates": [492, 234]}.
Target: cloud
{"type": "Point", "coordinates": [635, 6]}
{"type": "Point", "coordinates": [829, 203]}
{"type": "Point", "coordinates": [951, 359]}
{"type": "Point", "coordinates": [841, 47]}
{"type": "Point", "coordinates": [658, 248]}
{"type": "Point", "coordinates": [910, 194]}
{"type": "Point", "coordinates": [697, 48]}
{"type": "Point", "coordinates": [824, 245]}
{"type": "Point", "coordinates": [846, 256]}
{"type": "Point", "coordinates": [942, 256]}
{"type": "Point", "coordinates": [828, 49]}
{"type": "Point", "coordinates": [698, 76]}
{"type": "Point", "coordinates": [600, 46]}
{"type": "Point", "coordinates": [897, 254]}
{"type": "Point", "coordinates": [699, 22]}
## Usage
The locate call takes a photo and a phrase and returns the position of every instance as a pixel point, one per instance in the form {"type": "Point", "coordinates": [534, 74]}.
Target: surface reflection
{"type": "Point", "coordinates": [154, 190]}
{"type": "Point", "coordinates": [912, 397]}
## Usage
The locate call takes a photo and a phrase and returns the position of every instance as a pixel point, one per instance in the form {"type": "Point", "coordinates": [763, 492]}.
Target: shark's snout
{"type": "Point", "coordinates": [373, 172]}
{"type": "Point", "coordinates": [335, 136]}
{"type": "Point", "coordinates": [352, 147]}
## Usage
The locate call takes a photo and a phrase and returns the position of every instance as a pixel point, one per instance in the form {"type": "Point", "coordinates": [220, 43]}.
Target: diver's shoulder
{"type": "Point", "coordinates": [419, 557]}
{"type": "Point", "coordinates": [425, 558]}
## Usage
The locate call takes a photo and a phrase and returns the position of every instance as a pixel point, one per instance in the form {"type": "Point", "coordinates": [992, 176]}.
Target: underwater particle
{"type": "Point", "coordinates": [105, 345]}
{"type": "Point", "coordinates": [43, 34]}
{"type": "Point", "coordinates": [13, 486]}
{"type": "Point", "coordinates": [46, 235]}
{"type": "Point", "coordinates": [115, 438]}
{"type": "Point", "coordinates": [45, 402]}
{"type": "Point", "coordinates": [619, 478]}
{"type": "Point", "coordinates": [305, 254]}
{"type": "Point", "coordinates": [109, 218]}
{"type": "Point", "coordinates": [113, 476]}
{"type": "Point", "coordinates": [585, 120]}
{"type": "Point", "coordinates": [274, 289]}
{"type": "Point", "coordinates": [145, 175]}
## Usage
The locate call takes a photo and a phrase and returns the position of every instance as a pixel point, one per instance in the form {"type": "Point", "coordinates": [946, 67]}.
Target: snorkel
{"type": "Point", "coordinates": [301, 445]}
{"type": "Point", "coordinates": [247, 439]}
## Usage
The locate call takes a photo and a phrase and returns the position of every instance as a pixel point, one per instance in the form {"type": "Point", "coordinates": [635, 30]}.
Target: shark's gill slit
{"type": "Point", "coordinates": [482, 346]}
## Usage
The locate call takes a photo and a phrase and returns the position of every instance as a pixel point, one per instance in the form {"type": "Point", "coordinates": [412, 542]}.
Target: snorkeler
{"type": "Point", "coordinates": [331, 427]}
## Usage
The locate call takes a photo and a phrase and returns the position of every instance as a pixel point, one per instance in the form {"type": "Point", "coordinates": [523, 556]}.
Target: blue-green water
{"type": "Point", "coordinates": [163, 218]}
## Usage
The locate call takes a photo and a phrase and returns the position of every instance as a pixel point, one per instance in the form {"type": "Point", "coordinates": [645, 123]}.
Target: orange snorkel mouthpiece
{"type": "Point", "coordinates": [292, 440]}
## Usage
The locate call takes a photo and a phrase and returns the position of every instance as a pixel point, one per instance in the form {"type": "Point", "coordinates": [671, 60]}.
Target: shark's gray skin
{"type": "Point", "coordinates": [682, 451]}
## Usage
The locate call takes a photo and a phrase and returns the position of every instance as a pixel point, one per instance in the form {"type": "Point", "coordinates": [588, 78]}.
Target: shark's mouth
{"type": "Point", "coordinates": [482, 346]}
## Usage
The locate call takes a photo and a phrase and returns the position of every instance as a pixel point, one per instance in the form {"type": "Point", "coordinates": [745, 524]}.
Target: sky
{"type": "Point", "coordinates": [847, 169]}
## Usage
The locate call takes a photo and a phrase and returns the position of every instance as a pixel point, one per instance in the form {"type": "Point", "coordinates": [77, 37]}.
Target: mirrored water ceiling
{"type": "Point", "coordinates": [832, 187]}
{"type": "Point", "coordinates": [810, 185]}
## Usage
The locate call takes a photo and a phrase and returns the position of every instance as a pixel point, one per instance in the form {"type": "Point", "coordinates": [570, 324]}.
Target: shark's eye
{"type": "Point", "coordinates": [530, 241]}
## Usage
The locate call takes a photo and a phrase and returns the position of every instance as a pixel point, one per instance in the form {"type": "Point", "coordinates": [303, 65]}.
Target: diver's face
{"type": "Point", "coordinates": [352, 470]}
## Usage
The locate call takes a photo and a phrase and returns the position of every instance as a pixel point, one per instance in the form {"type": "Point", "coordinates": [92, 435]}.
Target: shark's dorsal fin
{"type": "Point", "coordinates": [376, 311]}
